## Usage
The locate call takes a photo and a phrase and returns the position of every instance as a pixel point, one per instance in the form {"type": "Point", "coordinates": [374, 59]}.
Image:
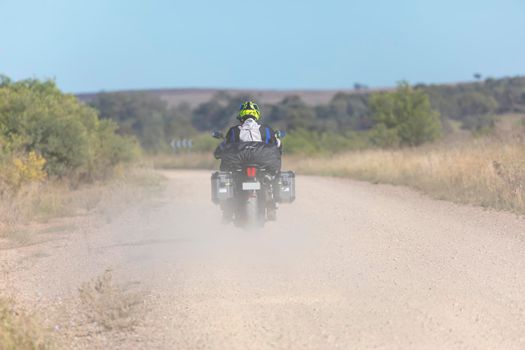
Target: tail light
{"type": "Point", "coordinates": [251, 171]}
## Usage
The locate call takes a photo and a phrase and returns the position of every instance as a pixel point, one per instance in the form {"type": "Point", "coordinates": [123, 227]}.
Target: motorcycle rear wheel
{"type": "Point", "coordinates": [253, 216]}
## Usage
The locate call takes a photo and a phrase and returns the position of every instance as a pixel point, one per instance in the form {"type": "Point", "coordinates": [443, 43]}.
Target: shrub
{"type": "Point", "coordinates": [311, 142]}
{"type": "Point", "coordinates": [407, 113]}
{"type": "Point", "coordinates": [301, 141]}
{"type": "Point", "coordinates": [29, 168]}
{"type": "Point", "coordinates": [42, 128]}
{"type": "Point", "coordinates": [383, 137]}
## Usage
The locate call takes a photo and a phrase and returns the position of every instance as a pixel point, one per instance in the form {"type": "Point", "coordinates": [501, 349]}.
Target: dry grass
{"type": "Point", "coordinates": [27, 209]}
{"type": "Point", "coordinates": [19, 332]}
{"type": "Point", "coordinates": [489, 173]}
{"type": "Point", "coordinates": [110, 305]}
{"type": "Point", "coordinates": [35, 204]}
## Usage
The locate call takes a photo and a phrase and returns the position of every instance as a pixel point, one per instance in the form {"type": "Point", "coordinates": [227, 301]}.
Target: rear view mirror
{"type": "Point", "coordinates": [280, 134]}
{"type": "Point", "coordinates": [217, 134]}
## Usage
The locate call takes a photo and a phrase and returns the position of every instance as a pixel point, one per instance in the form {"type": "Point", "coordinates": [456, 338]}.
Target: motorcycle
{"type": "Point", "coordinates": [249, 192]}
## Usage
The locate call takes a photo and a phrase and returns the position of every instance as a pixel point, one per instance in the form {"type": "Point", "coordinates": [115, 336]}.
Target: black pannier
{"type": "Point", "coordinates": [236, 155]}
{"type": "Point", "coordinates": [221, 186]}
{"type": "Point", "coordinates": [284, 187]}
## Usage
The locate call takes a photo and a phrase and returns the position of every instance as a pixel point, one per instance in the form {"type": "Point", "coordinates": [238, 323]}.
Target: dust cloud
{"type": "Point", "coordinates": [348, 265]}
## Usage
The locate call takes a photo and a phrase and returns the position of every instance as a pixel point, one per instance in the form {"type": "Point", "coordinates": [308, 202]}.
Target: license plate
{"type": "Point", "coordinates": [251, 186]}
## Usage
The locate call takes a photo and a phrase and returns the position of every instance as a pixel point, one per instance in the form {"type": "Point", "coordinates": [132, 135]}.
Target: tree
{"type": "Point", "coordinates": [359, 86]}
{"type": "Point", "coordinates": [476, 103]}
{"type": "Point", "coordinates": [407, 113]}
{"type": "Point", "coordinates": [292, 114]}
{"type": "Point", "coordinates": [351, 111]}
{"type": "Point", "coordinates": [218, 113]}
{"type": "Point", "coordinates": [144, 115]}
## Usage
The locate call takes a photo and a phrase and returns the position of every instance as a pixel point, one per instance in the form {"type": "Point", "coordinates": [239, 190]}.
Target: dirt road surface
{"type": "Point", "coordinates": [349, 265]}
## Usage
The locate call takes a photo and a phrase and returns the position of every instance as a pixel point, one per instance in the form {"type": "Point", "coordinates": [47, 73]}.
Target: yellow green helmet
{"type": "Point", "coordinates": [249, 109]}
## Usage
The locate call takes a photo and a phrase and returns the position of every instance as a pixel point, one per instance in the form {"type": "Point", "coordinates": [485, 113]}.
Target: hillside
{"type": "Point", "coordinates": [195, 97]}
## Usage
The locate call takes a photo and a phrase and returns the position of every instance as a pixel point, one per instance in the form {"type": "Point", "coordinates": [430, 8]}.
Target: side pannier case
{"type": "Point", "coordinates": [285, 187]}
{"type": "Point", "coordinates": [221, 186]}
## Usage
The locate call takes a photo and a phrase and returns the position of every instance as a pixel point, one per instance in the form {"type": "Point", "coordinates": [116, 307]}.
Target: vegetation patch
{"type": "Point", "coordinates": [19, 331]}
{"type": "Point", "coordinates": [484, 172]}
{"type": "Point", "coordinates": [38, 211]}
{"type": "Point", "coordinates": [365, 118]}
{"type": "Point", "coordinates": [110, 305]}
{"type": "Point", "coordinates": [45, 133]}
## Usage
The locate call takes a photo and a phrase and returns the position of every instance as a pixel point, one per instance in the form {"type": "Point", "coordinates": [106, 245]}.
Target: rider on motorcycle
{"type": "Point", "coordinates": [249, 130]}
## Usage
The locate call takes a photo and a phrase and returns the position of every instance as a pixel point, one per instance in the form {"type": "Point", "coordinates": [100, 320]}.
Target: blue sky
{"type": "Point", "coordinates": [133, 44]}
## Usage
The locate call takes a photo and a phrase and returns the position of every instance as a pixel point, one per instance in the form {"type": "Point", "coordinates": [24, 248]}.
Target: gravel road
{"type": "Point", "coordinates": [349, 265]}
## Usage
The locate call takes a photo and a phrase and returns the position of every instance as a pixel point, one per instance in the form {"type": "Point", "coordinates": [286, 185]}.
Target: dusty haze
{"type": "Point", "coordinates": [348, 265]}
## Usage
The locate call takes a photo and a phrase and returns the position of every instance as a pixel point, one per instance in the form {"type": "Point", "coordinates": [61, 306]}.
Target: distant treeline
{"type": "Point", "coordinates": [348, 121]}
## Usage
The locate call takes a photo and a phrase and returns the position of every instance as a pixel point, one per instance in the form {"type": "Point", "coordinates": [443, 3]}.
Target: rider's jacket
{"type": "Point", "coordinates": [250, 130]}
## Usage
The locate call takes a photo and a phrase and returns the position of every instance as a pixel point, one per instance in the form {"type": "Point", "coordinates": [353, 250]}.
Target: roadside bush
{"type": "Point", "coordinates": [18, 170]}
{"type": "Point", "coordinates": [110, 149]}
{"type": "Point", "coordinates": [43, 129]}
{"type": "Point", "coordinates": [301, 141]}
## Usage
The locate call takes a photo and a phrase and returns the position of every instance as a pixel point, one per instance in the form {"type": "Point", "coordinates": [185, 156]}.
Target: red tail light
{"type": "Point", "coordinates": [251, 172]}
